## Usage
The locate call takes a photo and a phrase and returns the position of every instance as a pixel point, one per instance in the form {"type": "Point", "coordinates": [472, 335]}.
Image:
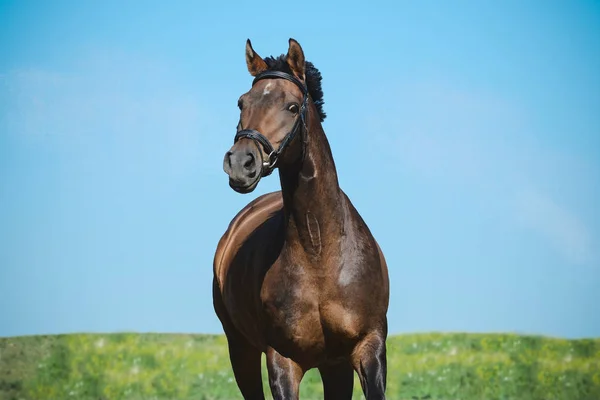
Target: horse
{"type": "Point", "coordinates": [298, 275]}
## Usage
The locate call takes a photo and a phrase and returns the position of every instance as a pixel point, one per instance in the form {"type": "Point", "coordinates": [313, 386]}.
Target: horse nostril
{"type": "Point", "coordinates": [228, 158]}
{"type": "Point", "coordinates": [250, 162]}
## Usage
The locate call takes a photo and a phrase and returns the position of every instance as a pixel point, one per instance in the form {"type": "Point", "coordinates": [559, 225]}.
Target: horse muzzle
{"type": "Point", "coordinates": [243, 165]}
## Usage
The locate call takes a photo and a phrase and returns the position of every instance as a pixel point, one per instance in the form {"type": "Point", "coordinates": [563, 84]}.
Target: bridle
{"type": "Point", "coordinates": [269, 164]}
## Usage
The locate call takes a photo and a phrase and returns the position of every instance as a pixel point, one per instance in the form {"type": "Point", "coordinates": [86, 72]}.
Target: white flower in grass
{"type": "Point", "coordinates": [135, 370]}
{"type": "Point", "coordinates": [100, 343]}
{"type": "Point", "coordinates": [568, 358]}
{"type": "Point", "coordinates": [453, 351]}
{"type": "Point", "coordinates": [200, 376]}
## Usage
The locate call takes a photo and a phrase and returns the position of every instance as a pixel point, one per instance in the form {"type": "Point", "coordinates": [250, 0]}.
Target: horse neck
{"type": "Point", "coordinates": [311, 194]}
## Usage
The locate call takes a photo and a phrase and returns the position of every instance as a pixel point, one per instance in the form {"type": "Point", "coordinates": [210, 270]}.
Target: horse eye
{"type": "Point", "coordinates": [293, 108]}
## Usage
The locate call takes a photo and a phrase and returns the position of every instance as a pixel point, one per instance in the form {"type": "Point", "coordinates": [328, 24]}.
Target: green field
{"type": "Point", "coordinates": [420, 366]}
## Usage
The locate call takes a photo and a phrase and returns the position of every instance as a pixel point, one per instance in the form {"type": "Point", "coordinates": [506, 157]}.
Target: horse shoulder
{"type": "Point", "coordinates": [362, 262]}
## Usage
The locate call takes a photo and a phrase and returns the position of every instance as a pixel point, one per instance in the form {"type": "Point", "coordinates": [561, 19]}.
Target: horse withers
{"type": "Point", "coordinates": [297, 275]}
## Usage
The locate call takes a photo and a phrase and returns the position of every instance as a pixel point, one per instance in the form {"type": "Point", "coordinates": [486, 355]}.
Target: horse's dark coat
{"type": "Point", "coordinates": [298, 275]}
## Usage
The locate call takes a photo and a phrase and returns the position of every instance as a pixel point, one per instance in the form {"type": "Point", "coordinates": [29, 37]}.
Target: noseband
{"type": "Point", "coordinates": [268, 165]}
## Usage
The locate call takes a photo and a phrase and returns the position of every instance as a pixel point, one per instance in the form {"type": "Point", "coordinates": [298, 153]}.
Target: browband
{"type": "Point", "coordinates": [281, 75]}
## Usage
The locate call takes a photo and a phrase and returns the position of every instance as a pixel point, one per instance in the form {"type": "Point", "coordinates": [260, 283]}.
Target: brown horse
{"type": "Point", "coordinates": [297, 275]}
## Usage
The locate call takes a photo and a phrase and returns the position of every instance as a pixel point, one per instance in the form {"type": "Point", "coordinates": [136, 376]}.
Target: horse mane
{"type": "Point", "coordinates": [313, 80]}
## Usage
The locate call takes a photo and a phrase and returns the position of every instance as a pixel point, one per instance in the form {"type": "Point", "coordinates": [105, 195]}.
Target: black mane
{"type": "Point", "coordinates": [313, 80]}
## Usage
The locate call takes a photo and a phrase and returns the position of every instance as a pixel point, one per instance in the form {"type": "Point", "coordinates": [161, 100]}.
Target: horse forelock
{"type": "Point", "coordinates": [313, 80]}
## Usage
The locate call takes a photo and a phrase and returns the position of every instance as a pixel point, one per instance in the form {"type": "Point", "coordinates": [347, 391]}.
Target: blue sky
{"type": "Point", "coordinates": [467, 135]}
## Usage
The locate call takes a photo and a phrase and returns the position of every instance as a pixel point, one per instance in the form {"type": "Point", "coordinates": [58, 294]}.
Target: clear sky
{"type": "Point", "coordinates": [466, 134]}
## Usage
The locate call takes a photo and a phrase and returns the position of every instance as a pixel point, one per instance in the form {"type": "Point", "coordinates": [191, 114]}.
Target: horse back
{"type": "Point", "coordinates": [240, 228]}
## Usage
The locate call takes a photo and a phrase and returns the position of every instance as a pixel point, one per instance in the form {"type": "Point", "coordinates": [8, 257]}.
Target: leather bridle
{"type": "Point", "coordinates": [269, 164]}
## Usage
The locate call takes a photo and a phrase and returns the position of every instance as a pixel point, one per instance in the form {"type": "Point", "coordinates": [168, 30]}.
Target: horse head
{"type": "Point", "coordinates": [273, 117]}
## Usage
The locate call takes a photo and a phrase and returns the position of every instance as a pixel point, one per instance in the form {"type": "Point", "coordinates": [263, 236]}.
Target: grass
{"type": "Point", "coordinates": [420, 366]}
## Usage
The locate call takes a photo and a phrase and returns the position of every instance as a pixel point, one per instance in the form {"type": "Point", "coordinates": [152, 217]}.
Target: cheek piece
{"type": "Point", "coordinates": [270, 163]}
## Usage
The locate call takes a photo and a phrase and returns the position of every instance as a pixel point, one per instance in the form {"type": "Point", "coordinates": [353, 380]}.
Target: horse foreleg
{"type": "Point", "coordinates": [284, 375]}
{"type": "Point", "coordinates": [338, 380]}
{"type": "Point", "coordinates": [369, 361]}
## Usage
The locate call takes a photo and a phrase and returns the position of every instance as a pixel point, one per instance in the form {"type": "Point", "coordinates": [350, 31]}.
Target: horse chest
{"type": "Point", "coordinates": [291, 308]}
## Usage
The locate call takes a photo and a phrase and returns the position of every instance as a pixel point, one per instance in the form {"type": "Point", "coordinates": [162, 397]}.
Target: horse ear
{"type": "Point", "coordinates": [255, 63]}
{"type": "Point", "coordinates": [295, 59]}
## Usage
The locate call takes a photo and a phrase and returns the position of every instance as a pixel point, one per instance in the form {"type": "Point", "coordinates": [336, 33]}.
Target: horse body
{"type": "Point", "coordinates": [298, 275]}
{"type": "Point", "coordinates": [275, 296]}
